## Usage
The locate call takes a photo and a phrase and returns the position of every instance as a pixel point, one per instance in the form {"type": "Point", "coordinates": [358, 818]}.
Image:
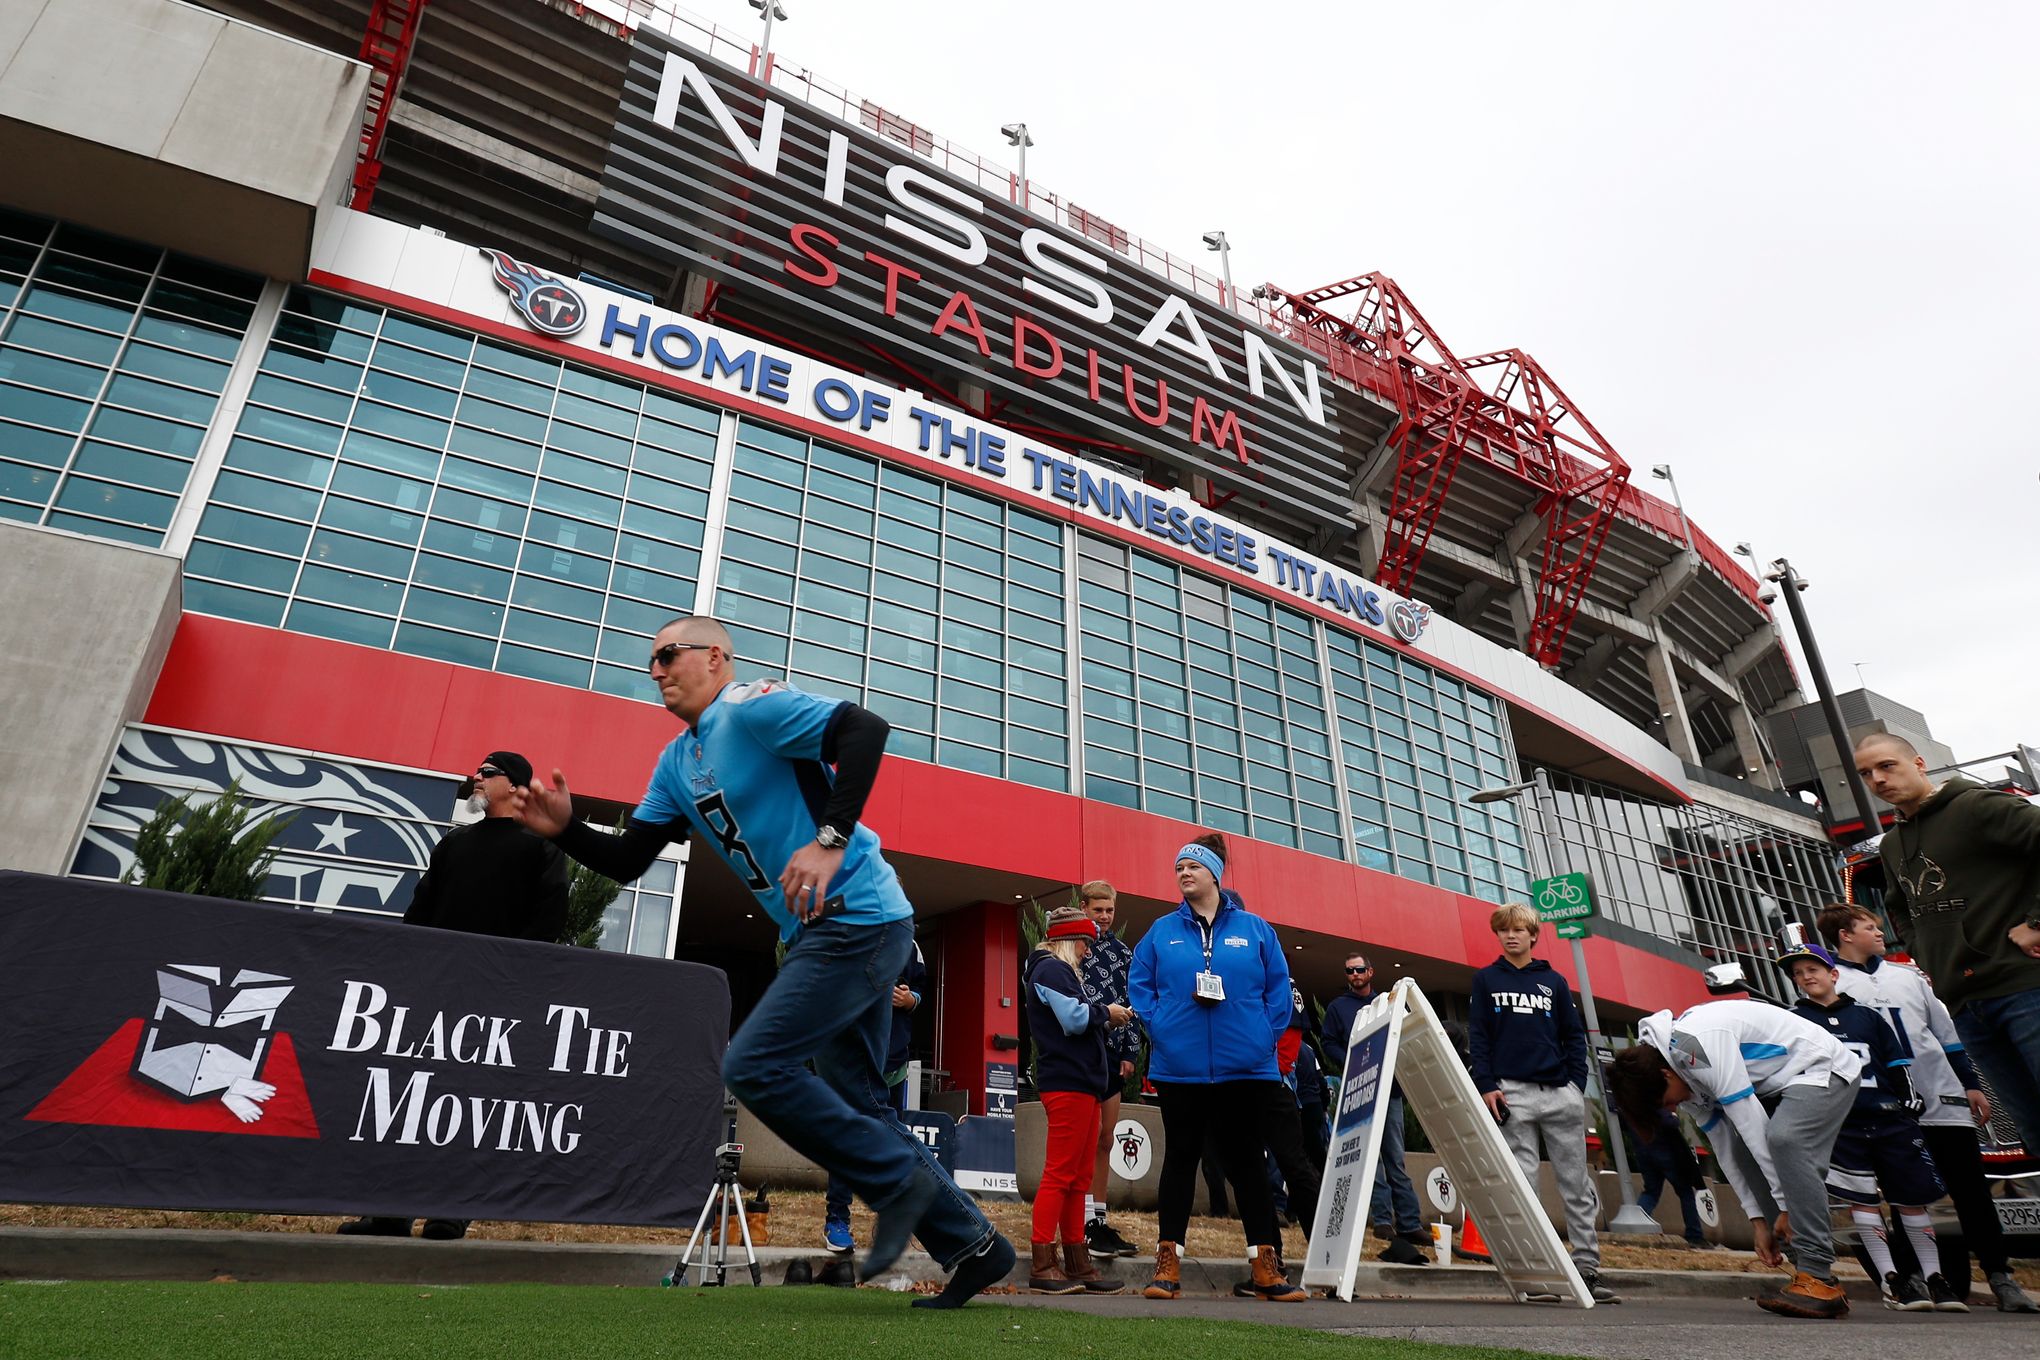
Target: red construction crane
{"type": "Point", "coordinates": [386, 49]}
{"type": "Point", "coordinates": [1502, 408]}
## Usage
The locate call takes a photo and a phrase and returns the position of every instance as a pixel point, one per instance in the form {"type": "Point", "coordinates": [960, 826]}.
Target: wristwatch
{"type": "Point", "coordinates": [829, 838]}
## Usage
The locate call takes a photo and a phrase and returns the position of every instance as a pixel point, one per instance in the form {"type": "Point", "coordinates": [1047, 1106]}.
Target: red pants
{"type": "Point", "coordinates": [1066, 1170]}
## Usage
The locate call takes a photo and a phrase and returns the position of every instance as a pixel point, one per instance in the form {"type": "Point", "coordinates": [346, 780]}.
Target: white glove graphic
{"type": "Point", "coordinates": [242, 1096]}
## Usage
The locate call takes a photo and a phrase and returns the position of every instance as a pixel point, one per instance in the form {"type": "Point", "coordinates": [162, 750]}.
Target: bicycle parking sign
{"type": "Point", "coordinates": [1568, 900]}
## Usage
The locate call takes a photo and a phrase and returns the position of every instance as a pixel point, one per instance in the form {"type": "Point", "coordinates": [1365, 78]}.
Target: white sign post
{"type": "Point", "coordinates": [1399, 1038]}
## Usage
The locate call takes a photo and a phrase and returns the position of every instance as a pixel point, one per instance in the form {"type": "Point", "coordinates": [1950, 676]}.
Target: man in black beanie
{"type": "Point", "coordinates": [489, 877]}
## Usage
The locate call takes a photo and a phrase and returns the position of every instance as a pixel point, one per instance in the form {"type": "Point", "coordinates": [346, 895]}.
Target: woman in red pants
{"type": "Point", "coordinates": [1071, 1074]}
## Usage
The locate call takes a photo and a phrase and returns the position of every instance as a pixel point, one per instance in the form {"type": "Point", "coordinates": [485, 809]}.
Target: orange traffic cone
{"type": "Point", "coordinates": [1470, 1246]}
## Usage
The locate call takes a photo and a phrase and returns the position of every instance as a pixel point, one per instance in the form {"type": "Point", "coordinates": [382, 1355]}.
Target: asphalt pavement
{"type": "Point", "coordinates": [1654, 1329]}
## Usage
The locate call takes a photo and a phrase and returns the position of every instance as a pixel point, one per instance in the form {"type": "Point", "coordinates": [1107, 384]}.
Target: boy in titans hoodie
{"type": "Point", "coordinates": [1529, 1061]}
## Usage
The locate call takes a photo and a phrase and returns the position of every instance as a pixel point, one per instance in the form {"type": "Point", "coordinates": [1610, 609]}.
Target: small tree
{"type": "Point", "coordinates": [219, 850]}
{"type": "Point", "coordinates": [588, 896]}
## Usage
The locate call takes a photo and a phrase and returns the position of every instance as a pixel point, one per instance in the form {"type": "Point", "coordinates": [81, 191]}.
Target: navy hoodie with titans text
{"type": "Point", "coordinates": [1524, 1027]}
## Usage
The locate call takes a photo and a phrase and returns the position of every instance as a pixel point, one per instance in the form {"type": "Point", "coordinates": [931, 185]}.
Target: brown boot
{"type": "Point", "coordinates": [1046, 1277]}
{"type": "Point", "coordinates": [1808, 1297]}
{"type": "Point", "coordinates": [1269, 1281]}
{"type": "Point", "coordinates": [1168, 1280]}
{"type": "Point", "coordinates": [1078, 1265]}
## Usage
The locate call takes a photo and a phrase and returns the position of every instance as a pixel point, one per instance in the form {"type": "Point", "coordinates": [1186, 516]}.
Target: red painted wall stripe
{"type": "Point", "coordinates": [280, 688]}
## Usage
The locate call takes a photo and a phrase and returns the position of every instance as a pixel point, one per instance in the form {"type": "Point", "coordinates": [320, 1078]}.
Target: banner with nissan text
{"type": "Point", "coordinates": [165, 1051]}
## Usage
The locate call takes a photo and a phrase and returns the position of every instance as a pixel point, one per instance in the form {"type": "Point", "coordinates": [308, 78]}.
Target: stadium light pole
{"type": "Point", "coordinates": [1630, 1218]}
{"type": "Point", "coordinates": [1016, 135]}
{"type": "Point", "coordinates": [1215, 240]}
{"type": "Point", "coordinates": [771, 9]}
{"type": "Point", "coordinates": [1664, 470]}
{"type": "Point", "coordinates": [1788, 581]}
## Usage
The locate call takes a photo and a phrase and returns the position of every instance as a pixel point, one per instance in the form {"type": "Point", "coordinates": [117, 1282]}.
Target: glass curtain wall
{"type": "Point", "coordinates": [112, 359]}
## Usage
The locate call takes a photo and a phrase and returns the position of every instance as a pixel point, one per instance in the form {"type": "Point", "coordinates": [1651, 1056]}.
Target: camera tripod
{"type": "Point", "coordinates": [725, 1197]}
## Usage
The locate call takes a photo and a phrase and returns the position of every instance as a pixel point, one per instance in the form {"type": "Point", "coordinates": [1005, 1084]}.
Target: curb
{"type": "Point", "coordinates": [319, 1258]}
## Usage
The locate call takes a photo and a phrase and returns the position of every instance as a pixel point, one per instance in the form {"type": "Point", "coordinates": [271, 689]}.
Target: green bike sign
{"type": "Point", "coordinates": [1563, 898]}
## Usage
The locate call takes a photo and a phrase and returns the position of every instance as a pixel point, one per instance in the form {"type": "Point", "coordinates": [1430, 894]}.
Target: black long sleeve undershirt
{"type": "Point", "coordinates": [854, 743]}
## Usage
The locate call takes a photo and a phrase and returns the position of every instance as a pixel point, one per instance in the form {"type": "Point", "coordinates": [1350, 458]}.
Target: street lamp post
{"type": "Point", "coordinates": [1630, 1218]}
{"type": "Point", "coordinates": [771, 9]}
{"type": "Point", "coordinates": [1788, 582]}
{"type": "Point", "coordinates": [1664, 470]}
{"type": "Point", "coordinates": [1016, 135]}
{"type": "Point", "coordinates": [1215, 240]}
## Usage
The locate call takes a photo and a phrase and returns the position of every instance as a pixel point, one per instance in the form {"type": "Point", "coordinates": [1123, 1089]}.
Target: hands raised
{"type": "Point", "coordinates": [546, 810]}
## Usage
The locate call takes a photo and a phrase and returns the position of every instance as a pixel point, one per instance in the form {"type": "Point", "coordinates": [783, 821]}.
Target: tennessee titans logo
{"type": "Point", "coordinates": [1130, 1141]}
{"type": "Point", "coordinates": [550, 306]}
{"type": "Point", "coordinates": [1407, 619]}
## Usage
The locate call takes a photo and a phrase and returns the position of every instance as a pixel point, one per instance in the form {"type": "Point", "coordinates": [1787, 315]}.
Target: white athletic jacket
{"type": "Point", "coordinates": [1901, 994]}
{"type": "Point", "coordinates": [1734, 1052]}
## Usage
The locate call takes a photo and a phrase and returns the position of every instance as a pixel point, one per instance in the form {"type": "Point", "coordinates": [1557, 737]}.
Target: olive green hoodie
{"type": "Point", "coordinates": [1961, 872]}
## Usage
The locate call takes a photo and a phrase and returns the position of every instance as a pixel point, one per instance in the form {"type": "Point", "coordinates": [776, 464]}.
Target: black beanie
{"type": "Point", "coordinates": [511, 764]}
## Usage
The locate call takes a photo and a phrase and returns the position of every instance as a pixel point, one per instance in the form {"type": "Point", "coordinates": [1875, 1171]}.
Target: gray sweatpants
{"type": "Point", "coordinates": [1801, 1131]}
{"type": "Point", "coordinates": [1559, 1115]}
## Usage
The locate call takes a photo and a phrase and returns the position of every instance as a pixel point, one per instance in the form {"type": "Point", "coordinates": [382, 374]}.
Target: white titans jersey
{"type": "Point", "coordinates": [1902, 995]}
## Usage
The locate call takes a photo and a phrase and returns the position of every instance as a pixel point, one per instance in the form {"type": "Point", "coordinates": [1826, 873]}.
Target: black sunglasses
{"type": "Point", "coordinates": [1367, 969]}
{"type": "Point", "coordinates": [487, 772]}
{"type": "Point", "coordinates": [670, 653]}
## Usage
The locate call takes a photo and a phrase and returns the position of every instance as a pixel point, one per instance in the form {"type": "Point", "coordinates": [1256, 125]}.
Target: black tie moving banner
{"type": "Point", "coordinates": [165, 1051]}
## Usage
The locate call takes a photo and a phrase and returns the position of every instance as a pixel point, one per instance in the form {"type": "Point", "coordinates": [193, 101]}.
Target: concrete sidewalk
{"type": "Point", "coordinates": [187, 1254]}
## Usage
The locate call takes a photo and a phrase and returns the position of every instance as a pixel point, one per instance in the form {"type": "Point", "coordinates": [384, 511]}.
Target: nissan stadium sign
{"type": "Point", "coordinates": [824, 398]}
{"type": "Point", "coordinates": [711, 171]}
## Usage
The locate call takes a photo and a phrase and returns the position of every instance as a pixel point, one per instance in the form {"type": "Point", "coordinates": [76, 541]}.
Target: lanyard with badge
{"type": "Point", "coordinates": [1210, 986]}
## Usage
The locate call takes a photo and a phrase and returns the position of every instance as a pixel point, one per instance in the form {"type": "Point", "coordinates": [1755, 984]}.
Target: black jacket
{"type": "Point", "coordinates": [493, 877]}
{"type": "Point", "coordinates": [1959, 873]}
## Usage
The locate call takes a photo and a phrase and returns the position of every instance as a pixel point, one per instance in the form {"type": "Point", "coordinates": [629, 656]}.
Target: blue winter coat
{"type": "Point", "coordinates": [1233, 1040]}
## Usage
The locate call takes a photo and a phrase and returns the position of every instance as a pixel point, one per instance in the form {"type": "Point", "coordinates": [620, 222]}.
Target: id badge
{"type": "Point", "coordinates": [1210, 987]}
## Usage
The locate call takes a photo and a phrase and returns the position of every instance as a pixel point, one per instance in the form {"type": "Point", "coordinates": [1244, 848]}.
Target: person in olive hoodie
{"type": "Point", "coordinates": [1210, 986]}
{"type": "Point", "coordinates": [1962, 871]}
{"type": "Point", "coordinates": [1528, 1054]}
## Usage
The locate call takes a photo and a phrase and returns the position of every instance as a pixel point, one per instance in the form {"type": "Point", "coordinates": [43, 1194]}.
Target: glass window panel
{"type": "Point", "coordinates": [171, 366]}
{"type": "Point", "coordinates": [391, 456]}
{"type": "Point", "coordinates": [374, 520]}
{"type": "Point", "coordinates": [116, 502]}
{"type": "Point", "coordinates": [495, 449]}
{"type": "Point", "coordinates": [687, 470]}
{"type": "Point", "coordinates": [44, 300]}
{"type": "Point", "coordinates": [430, 606]}
{"type": "Point", "coordinates": [536, 665]}
{"type": "Point", "coordinates": [27, 483]}
{"type": "Point", "coordinates": [43, 370]}
{"type": "Point", "coordinates": [72, 342]}
{"type": "Point", "coordinates": [500, 419]}
{"type": "Point", "coordinates": [478, 511]}
{"type": "Point", "coordinates": [595, 444]}
{"type": "Point", "coordinates": [569, 500]}
{"type": "Point", "coordinates": [463, 578]}
{"type": "Point", "coordinates": [539, 630]}
{"type": "Point", "coordinates": [343, 625]}
{"type": "Point", "coordinates": [129, 465]}
{"type": "Point", "coordinates": [205, 597]}
{"type": "Point", "coordinates": [359, 554]}
{"type": "Point", "coordinates": [440, 645]}
{"type": "Point", "coordinates": [467, 544]}
{"type": "Point", "coordinates": [540, 593]}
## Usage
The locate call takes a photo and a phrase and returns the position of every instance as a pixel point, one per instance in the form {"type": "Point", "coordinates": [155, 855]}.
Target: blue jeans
{"type": "Point", "coordinates": [837, 1203]}
{"type": "Point", "coordinates": [1655, 1178]}
{"type": "Point", "coordinates": [2002, 1036]}
{"type": "Point", "coordinates": [1392, 1188]}
{"type": "Point", "coordinates": [832, 1003]}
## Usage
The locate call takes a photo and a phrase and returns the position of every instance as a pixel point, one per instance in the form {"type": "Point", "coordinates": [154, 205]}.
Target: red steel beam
{"type": "Point", "coordinates": [386, 50]}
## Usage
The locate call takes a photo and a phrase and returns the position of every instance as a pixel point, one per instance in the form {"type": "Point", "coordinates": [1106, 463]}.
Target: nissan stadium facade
{"type": "Point", "coordinates": [375, 378]}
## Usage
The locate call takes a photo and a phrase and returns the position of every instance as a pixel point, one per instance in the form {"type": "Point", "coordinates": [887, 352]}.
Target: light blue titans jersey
{"type": "Point", "coordinates": [750, 780]}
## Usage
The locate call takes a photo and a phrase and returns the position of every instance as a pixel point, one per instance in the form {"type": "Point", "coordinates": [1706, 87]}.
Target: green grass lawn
{"type": "Point", "coordinates": [389, 1322]}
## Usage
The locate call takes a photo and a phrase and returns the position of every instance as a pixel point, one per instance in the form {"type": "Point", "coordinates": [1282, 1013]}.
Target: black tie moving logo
{"type": "Point", "coordinates": [208, 1060]}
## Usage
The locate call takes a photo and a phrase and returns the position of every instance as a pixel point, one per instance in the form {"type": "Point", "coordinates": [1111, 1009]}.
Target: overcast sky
{"type": "Point", "coordinates": [1788, 249]}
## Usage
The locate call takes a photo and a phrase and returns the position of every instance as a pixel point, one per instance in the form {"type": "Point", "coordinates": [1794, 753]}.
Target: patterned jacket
{"type": "Point", "coordinates": [1104, 979]}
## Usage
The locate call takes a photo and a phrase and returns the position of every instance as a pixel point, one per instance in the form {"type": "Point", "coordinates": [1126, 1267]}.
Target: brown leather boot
{"type": "Point", "coordinates": [1078, 1265]}
{"type": "Point", "coordinates": [1046, 1277]}
{"type": "Point", "coordinates": [1269, 1281]}
{"type": "Point", "coordinates": [1808, 1297]}
{"type": "Point", "coordinates": [1168, 1280]}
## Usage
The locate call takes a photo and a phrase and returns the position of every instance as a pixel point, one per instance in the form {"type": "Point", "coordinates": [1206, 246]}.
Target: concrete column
{"type": "Point", "coordinates": [1748, 749]}
{"type": "Point", "coordinates": [1671, 702]}
{"type": "Point", "coordinates": [978, 955]}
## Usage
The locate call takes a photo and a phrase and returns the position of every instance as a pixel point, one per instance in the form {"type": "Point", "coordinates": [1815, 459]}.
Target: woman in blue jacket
{"type": "Point", "coordinates": [1211, 987]}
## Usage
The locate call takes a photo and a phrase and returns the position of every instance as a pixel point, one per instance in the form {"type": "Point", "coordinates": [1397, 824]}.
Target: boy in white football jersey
{"type": "Point", "coordinates": [1946, 1080]}
{"type": "Point", "coordinates": [1771, 1089]}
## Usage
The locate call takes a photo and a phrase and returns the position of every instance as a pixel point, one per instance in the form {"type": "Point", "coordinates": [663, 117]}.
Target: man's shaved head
{"type": "Point", "coordinates": [699, 628]}
{"type": "Point", "coordinates": [1891, 739]}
